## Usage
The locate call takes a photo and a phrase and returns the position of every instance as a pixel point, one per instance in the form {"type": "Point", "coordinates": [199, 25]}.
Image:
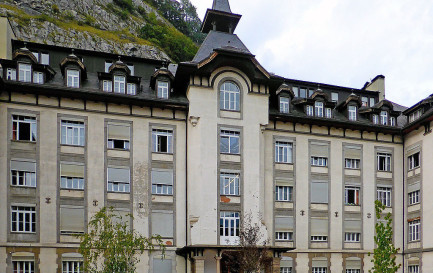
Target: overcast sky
{"type": "Point", "coordinates": [342, 42]}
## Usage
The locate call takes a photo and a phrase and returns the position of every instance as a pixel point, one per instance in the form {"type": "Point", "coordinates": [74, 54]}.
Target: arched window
{"type": "Point", "coordinates": [230, 96]}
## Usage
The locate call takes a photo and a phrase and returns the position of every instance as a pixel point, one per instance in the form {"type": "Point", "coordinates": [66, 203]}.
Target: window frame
{"type": "Point", "coordinates": [229, 224]}
{"type": "Point", "coordinates": [352, 112]}
{"type": "Point", "coordinates": [357, 197]}
{"type": "Point", "coordinates": [414, 161]}
{"type": "Point", "coordinates": [157, 134]}
{"type": "Point", "coordinates": [125, 185]}
{"type": "Point", "coordinates": [230, 184]}
{"type": "Point", "coordinates": [352, 237]}
{"type": "Point", "coordinates": [386, 160]}
{"type": "Point", "coordinates": [27, 266]}
{"type": "Point", "coordinates": [25, 174]}
{"type": "Point", "coordinates": [414, 231]}
{"type": "Point", "coordinates": [230, 135]}
{"type": "Point", "coordinates": [131, 89]}
{"type": "Point", "coordinates": [38, 77]}
{"type": "Point", "coordinates": [319, 270]}
{"type": "Point", "coordinates": [76, 126]}
{"type": "Point", "coordinates": [375, 118]}
{"type": "Point", "coordinates": [328, 112]}
{"type": "Point", "coordinates": [352, 163]}
{"type": "Point", "coordinates": [119, 83]}
{"type": "Point", "coordinates": [283, 152]}
{"type": "Point", "coordinates": [319, 161]}
{"type": "Point", "coordinates": [413, 268]}
{"type": "Point", "coordinates": [319, 238]}
{"type": "Point", "coordinates": [284, 104]}
{"type": "Point", "coordinates": [17, 120]}
{"type": "Point", "coordinates": [319, 109]}
{"type": "Point", "coordinates": [162, 92]}
{"type": "Point", "coordinates": [73, 81]}
{"type": "Point", "coordinates": [384, 118]}
{"type": "Point", "coordinates": [284, 236]}
{"type": "Point", "coordinates": [107, 86]}
{"type": "Point", "coordinates": [309, 110]}
{"type": "Point", "coordinates": [29, 221]}
{"type": "Point", "coordinates": [283, 193]}
{"type": "Point", "coordinates": [77, 266]}
{"type": "Point", "coordinates": [384, 195]}
{"type": "Point", "coordinates": [230, 100]}
{"type": "Point", "coordinates": [414, 197]}
{"type": "Point", "coordinates": [25, 75]}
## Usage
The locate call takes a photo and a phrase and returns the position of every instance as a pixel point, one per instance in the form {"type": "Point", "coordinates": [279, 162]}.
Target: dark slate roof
{"type": "Point", "coordinates": [216, 40]}
{"type": "Point", "coordinates": [221, 5]}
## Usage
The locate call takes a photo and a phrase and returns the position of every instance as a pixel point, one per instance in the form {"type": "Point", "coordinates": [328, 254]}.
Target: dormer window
{"type": "Point", "coordinates": [24, 72]}
{"type": "Point", "coordinates": [415, 115]}
{"type": "Point", "coordinates": [38, 77]}
{"type": "Point", "coordinates": [131, 89]}
{"type": "Point", "coordinates": [351, 110]}
{"type": "Point", "coordinates": [73, 78]}
{"type": "Point", "coordinates": [384, 117]}
{"type": "Point", "coordinates": [107, 66]}
{"type": "Point", "coordinates": [328, 113]}
{"type": "Point", "coordinates": [364, 101]}
{"type": "Point", "coordinates": [392, 121]}
{"type": "Point", "coordinates": [162, 89]}
{"type": "Point", "coordinates": [318, 106]}
{"type": "Point", "coordinates": [11, 74]}
{"type": "Point", "coordinates": [284, 104]}
{"type": "Point", "coordinates": [375, 119]}
{"type": "Point", "coordinates": [107, 86]}
{"type": "Point", "coordinates": [119, 84]}
{"type": "Point", "coordinates": [310, 110]}
{"type": "Point", "coordinates": [131, 68]}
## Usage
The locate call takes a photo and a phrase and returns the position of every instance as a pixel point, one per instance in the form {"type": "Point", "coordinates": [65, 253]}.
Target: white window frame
{"type": "Point", "coordinates": [131, 89]}
{"type": "Point", "coordinates": [414, 230]}
{"type": "Point", "coordinates": [284, 193]}
{"type": "Point", "coordinates": [107, 86]}
{"type": "Point", "coordinates": [352, 237]}
{"type": "Point", "coordinates": [230, 136]}
{"type": "Point", "coordinates": [283, 152]}
{"type": "Point", "coordinates": [72, 267]}
{"type": "Point", "coordinates": [319, 161]}
{"type": "Point", "coordinates": [384, 195]}
{"type": "Point", "coordinates": [119, 186]}
{"type": "Point", "coordinates": [45, 58]}
{"type": "Point", "coordinates": [319, 238]}
{"type": "Point", "coordinates": [413, 164]}
{"type": "Point", "coordinates": [318, 108]}
{"type": "Point", "coordinates": [352, 163]}
{"type": "Point", "coordinates": [364, 101]}
{"type": "Point", "coordinates": [283, 236]}
{"type": "Point", "coordinates": [384, 117]}
{"type": "Point", "coordinates": [72, 183]}
{"type": "Point", "coordinates": [328, 112]}
{"type": "Point", "coordinates": [157, 145]}
{"type": "Point", "coordinates": [353, 270]}
{"type": "Point", "coordinates": [110, 144]}
{"type": "Point", "coordinates": [229, 184]}
{"type": "Point", "coordinates": [319, 270]}
{"type": "Point", "coordinates": [392, 121]}
{"type": "Point", "coordinates": [230, 95]}
{"type": "Point", "coordinates": [229, 226]}
{"type": "Point", "coordinates": [107, 65]}
{"type": "Point", "coordinates": [11, 74]}
{"type": "Point", "coordinates": [357, 192]}
{"type": "Point", "coordinates": [414, 197]}
{"type": "Point", "coordinates": [162, 89]}
{"type": "Point", "coordinates": [352, 112]}
{"type": "Point", "coordinates": [119, 84]}
{"type": "Point", "coordinates": [334, 96]}
{"type": "Point", "coordinates": [285, 269]}
{"type": "Point", "coordinates": [73, 78]}
{"type": "Point", "coordinates": [28, 179]}
{"type": "Point", "coordinates": [73, 133]}
{"type": "Point", "coordinates": [386, 159]}
{"type": "Point", "coordinates": [38, 77]}
{"type": "Point", "coordinates": [23, 266]}
{"type": "Point", "coordinates": [24, 72]}
{"type": "Point", "coordinates": [375, 119]}
{"type": "Point", "coordinates": [413, 269]}
{"type": "Point", "coordinates": [131, 68]}
{"type": "Point", "coordinates": [27, 214]}
{"type": "Point", "coordinates": [284, 105]}
{"type": "Point", "coordinates": [372, 101]}
{"type": "Point", "coordinates": [162, 189]}
{"type": "Point", "coordinates": [17, 120]}
{"type": "Point", "coordinates": [310, 110]}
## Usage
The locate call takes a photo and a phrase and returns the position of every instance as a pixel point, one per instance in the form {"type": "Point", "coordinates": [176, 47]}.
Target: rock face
{"type": "Point", "coordinates": [101, 25]}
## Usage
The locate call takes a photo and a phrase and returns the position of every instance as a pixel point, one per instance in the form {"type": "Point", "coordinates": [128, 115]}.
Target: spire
{"type": "Point", "coordinates": [220, 18]}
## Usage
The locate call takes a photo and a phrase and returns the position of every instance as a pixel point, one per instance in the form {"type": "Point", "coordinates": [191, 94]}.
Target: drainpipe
{"type": "Point", "coordinates": [186, 187]}
{"type": "Point", "coordinates": [404, 203]}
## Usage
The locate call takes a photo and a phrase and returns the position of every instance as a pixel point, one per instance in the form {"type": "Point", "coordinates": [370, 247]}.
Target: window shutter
{"type": "Point", "coordinates": [118, 175]}
{"type": "Point", "coordinates": [72, 257]}
{"type": "Point", "coordinates": [319, 262]}
{"type": "Point", "coordinates": [162, 177]}
{"type": "Point", "coordinates": [71, 170]}
{"type": "Point", "coordinates": [353, 263]}
{"type": "Point", "coordinates": [319, 192]}
{"type": "Point", "coordinates": [413, 187]}
{"type": "Point", "coordinates": [352, 153]}
{"type": "Point", "coordinates": [285, 181]}
{"type": "Point", "coordinates": [352, 225]}
{"type": "Point", "coordinates": [286, 262]}
{"type": "Point", "coordinates": [283, 223]}
{"type": "Point", "coordinates": [23, 166]}
{"type": "Point", "coordinates": [319, 226]}
{"type": "Point", "coordinates": [71, 219]}
{"type": "Point", "coordinates": [161, 265]}
{"type": "Point", "coordinates": [119, 132]}
{"type": "Point", "coordinates": [320, 150]}
{"type": "Point", "coordinates": [162, 224]}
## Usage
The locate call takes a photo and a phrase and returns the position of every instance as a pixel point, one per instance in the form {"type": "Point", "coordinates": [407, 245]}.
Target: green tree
{"type": "Point", "coordinates": [110, 246]}
{"type": "Point", "coordinates": [384, 253]}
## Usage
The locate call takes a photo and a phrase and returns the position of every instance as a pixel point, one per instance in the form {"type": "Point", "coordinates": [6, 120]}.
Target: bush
{"type": "Point", "coordinates": [125, 4]}
{"type": "Point", "coordinates": [55, 8]}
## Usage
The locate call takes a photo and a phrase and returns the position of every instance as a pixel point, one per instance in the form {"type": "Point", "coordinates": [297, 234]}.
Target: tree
{"type": "Point", "coordinates": [111, 247]}
{"type": "Point", "coordinates": [253, 253]}
{"type": "Point", "coordinates": [384, 253]}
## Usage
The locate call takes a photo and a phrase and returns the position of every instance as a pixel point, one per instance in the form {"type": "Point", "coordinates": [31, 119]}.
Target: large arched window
{"type": "Point", "coordinates": [230, 96]}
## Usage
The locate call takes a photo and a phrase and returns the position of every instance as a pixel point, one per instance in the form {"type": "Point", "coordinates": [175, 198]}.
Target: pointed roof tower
{"type": "Point", "coordinates": [220, 18]}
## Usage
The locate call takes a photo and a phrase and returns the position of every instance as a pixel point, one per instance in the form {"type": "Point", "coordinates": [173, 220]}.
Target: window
{"type": "Point", "coordinates": [283, 152]}
{"type": "Point", "coordinates": [284, 104]}
{"type": "Point", "coordinates": [352, 237]}
{"type": "Point", "coordinates": [107, 86]}
{"type": "Point", "coordinates": [162, 223]}
{"type": "Point", "coordinates": [384, 117]}
{"type": "Point", "coordinates": [229, 225]}
{"type": "Point", "coordinates": [328, 113]}
{"type": "Point", "coordinates": [413, 161]}
{"type": "Point", "coordinates": [131, 68]}
{"type": "Point", "coordinates": [414, 230]}
{"type": "Point", "coordinates": [303, 92]}
{"type": "Point", "coordinates": [284, 236]}
{"type": "Point", "coordinates": [38, 77]}
{"type": "Point", "coordinates": [118, 136]}
{"type": "Point", "coordinates": [72, 267]}
{"type": "Point", "coordinates": [132, 89]}
{"type": "Point", "coordinates": [372, 102]}
{"type": "Point", "coordinates": [364, 101]}
{"type": "Point", "coordinates": [230, 96]}
{"type": "Point", "coordinates": [310, 110]}
{"type": "Point", "coordinates": [352, 112]}
{"type": "Point", "coordinates": [23, 219]}
{"type": "Point", "coordinates": [36, 54]}
{"type": "Point", "coordinates": [71, 220]}
{"type": "Point", "coordinates": [319, 161]}
{"type": "Point", "coordinates": [24, 267]}
{"type": "Point", "coordinates": [161, 265]}
{"type": "Point", "coordinates": [375, 119]}
{"type": "Point", "coordinates": [11, 74]}
{"type": "Point", "coordinates": [285, 270]}
{"type": "Point", "coordinates": [118, 179]}
{"type": "Point", "coordinates": [296, 91]}
{"type": "Point", "coordinates": [384, 162]}
{"type": "Point", "coordinates": [73, 133]}
{"type": "Point", "coordinates": [384, 195]}
{"type": "Point", "coordinates": [45, 58]}
{"type": "Point", "coordinates": [284, 193]}
{"type": "Point", "coordinates": [310, 92]}
{"type": "Point", "coordinates": [319, 238]}
{"type": "Point", "coordinates": [162, 182]}
{"type": "Point", "coordinates": [320, 269]}
{"type": "Point", "coordinates": [229, 184]}
{"type": "Point", "coordinates": [392, 121]}
{"type": "Point", "coordinates": [351, 163]}
{"type": "Point", "coordinates": [318, 105]}
{"type": "Point", "coordinates": [414, 197]}
{"type": "Point", "coordinates": [351, 195]}
{"type": "Point", "coordinates": [24, 72]}
{"type": "Point", "coordinates": [334, 96]}
{"type": "Point", "coordinates": [415, 115]}
{"type": "Point", "coordinates": [23, 173]}
{"type": "Point", "coordinates": [229, 142]}
{"type": "Point", "coordinates": [119, 84]}
{"type": "Point", "coordinates": [319, 192]}
{"type": "Point", "coordinates": [71, 176]}
{"type": "Point", "coordinates": [353, 270]}
{"type": "Point", "coordinates": [23, 128]}
{"type": "Point", "coordinates": [162, 141]}
{"type": "Point", "coordinates": [107, 66]}
{"type": "Point", "coordinates": [162, 91]}
{"type": "Point", "coordinates": [413, 268]}
{"type": "Point", "coordinates": [73, 78]}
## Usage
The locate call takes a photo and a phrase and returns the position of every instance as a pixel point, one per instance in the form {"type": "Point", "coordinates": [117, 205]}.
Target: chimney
{"type": "Point", "coordinates": [377, 84]}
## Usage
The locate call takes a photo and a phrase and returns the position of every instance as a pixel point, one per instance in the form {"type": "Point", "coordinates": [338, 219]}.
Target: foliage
{"type": "Point", "coordinates": [175, 44]}
{"type": "Point", "coordinates": [55, 8]}
{"type": "Point", "coordinates": [384, 253]}
{"type": "Point", "coordinates": [111, 247]}
{"type": "Point", "coordinates": [253, 254]}
{"type": "Point", "coordinates": [125, 4]}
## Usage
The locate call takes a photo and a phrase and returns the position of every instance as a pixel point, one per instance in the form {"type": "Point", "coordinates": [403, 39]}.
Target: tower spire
{"type": "Point", "coordinates": [221, 5]}
{"type": "Point", "coordinates": [220, 18]}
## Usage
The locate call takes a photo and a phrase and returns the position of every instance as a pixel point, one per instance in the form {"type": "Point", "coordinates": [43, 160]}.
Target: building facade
{"type": "Point", "coordinates": [191, 149]}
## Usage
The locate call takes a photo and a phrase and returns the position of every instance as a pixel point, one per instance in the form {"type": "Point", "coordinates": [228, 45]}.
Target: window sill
{"type": "Point", "coordinates": [355, 169]}
{"type": "Point", "coordinates": [23, 141]}
{"type": "Point", "coordinates": [118, 149]}
{"type": "Point", "coordinates": [283, 201]}
{"type": "Point", "coordinates": [71, 145]}
{"type": "Point", "coordinates": [326, 166]}
{"type": "Point", "coordinates": [77, 190]}
{"type": "Point", "coordinates": [230, 153]}
{"type": "Point", "coordinates": [161, 153]}
{"type": "Point", "coordinates": [284, 163]}
{"type": "Point", "coordinates": [118, 192]}
{"type": "Point", "coordinates": [23, 187]}
{"type": "Point", "coordinates": [159, 194]}
{"type": "Point", "coordinates": [228, 110]}
{"type": "Point", "coordinates": [416, 168]}
{"type": "Point", "coordinates": [24, 232]}
{"type": "Point", "coordinates": [283, 241]}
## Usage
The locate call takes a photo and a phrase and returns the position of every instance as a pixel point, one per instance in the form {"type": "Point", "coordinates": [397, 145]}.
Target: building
{"type": "Point", "coordinates": [190, 149]}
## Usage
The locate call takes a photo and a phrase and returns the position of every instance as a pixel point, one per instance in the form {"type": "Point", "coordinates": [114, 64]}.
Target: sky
{"type": "Point", "coordinates": [342, 42]}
